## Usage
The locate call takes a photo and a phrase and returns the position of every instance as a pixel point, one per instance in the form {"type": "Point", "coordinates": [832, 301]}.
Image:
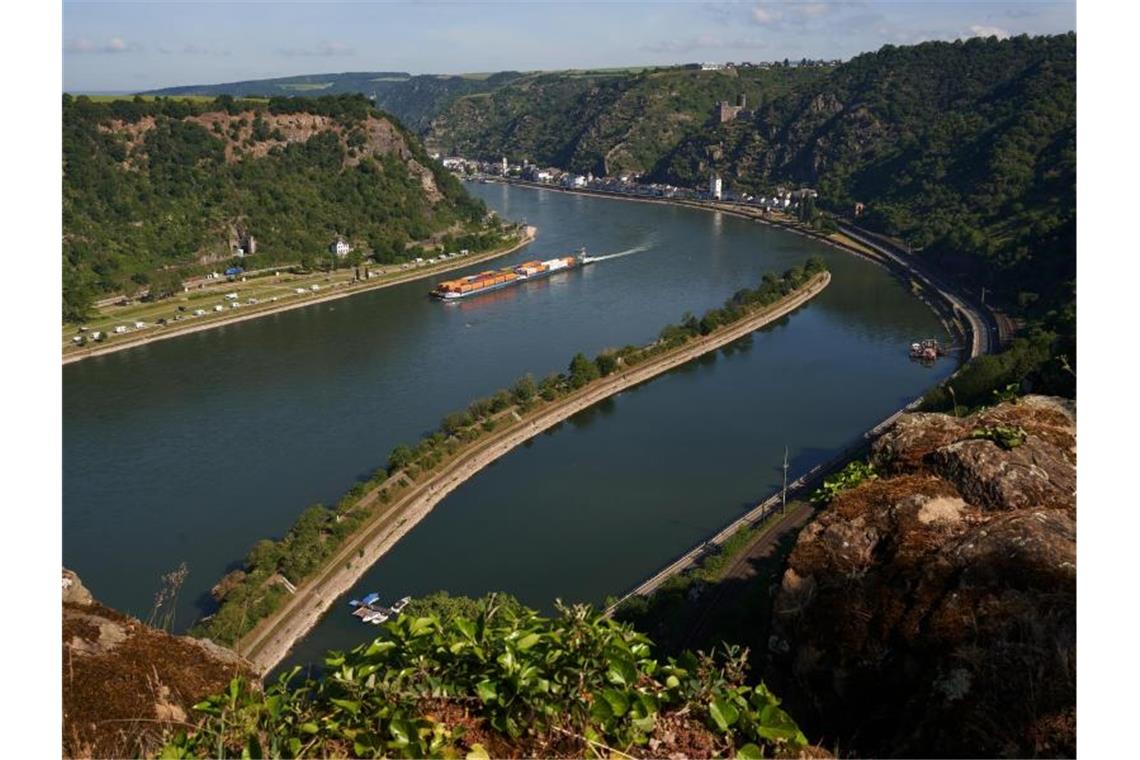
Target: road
{"type": "Point", "coordinates": [985, 335]}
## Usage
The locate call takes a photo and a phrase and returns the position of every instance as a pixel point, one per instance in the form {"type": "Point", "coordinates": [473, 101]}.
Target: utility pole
{"type": "Point", "coordinates": [784, 493]}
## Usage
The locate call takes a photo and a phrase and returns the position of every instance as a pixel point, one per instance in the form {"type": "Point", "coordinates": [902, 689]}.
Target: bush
{"type": "Point", "coordinates": [526, 678]}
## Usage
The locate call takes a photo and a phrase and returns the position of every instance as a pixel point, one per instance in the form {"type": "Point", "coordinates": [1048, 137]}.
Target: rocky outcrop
{"type": "Point", "coordinates": [125, 683]}
{"type": "Point", "coordinates": [932, 612]}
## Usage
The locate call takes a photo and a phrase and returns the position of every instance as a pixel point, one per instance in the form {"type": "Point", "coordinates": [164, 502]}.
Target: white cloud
{"type": "Point", "coordinates": [324, 50]}
{"type": "Point", "coordinates": [988, 31]}
{"type": "Point", "coordinates": [83, 45]}
{"type": "Point", "coordinates": [761, 14]}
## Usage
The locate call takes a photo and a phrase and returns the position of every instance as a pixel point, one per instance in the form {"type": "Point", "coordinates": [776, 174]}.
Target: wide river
{"type": "Point", "coordinates": [190, 450]}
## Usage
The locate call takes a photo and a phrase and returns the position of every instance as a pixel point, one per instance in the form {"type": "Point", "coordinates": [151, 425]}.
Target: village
{"type": "Point", "coordinates": [782, 198]}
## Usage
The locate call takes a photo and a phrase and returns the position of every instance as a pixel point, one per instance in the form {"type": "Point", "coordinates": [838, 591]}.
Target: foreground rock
{"type": "Point", "coordinates": [124, 683]}
{"type": "Point", "coordinates": [932, 612]}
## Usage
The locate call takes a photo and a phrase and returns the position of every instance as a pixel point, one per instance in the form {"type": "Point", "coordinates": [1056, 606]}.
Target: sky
{"type": "Point", "coordinates": [131, 46]}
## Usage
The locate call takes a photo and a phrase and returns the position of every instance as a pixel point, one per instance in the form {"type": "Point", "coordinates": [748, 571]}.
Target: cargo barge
{"type": "Point", "coordinates": [494, 279]}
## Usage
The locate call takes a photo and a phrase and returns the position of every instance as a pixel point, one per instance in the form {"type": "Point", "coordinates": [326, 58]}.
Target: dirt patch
{"type": "Point", "coordinates": [942, 509]}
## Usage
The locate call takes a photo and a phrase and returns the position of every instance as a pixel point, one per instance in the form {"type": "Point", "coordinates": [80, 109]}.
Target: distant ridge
{"type": "Point", "coordinates": [414, 99]}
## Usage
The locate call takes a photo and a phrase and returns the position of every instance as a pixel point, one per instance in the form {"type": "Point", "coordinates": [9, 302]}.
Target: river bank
{"type": "Point", "coordinates": [158, 333]}
{"type": "Point", "coordinates": [271, 640]}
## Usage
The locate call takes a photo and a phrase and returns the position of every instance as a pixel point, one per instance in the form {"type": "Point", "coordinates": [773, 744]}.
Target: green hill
{"type": "Point", "coordinates": [154, 185]}
{"type": "Point", "coordinates": [967, 150]}
{"type": "Point", "coordinates": [602, 122]}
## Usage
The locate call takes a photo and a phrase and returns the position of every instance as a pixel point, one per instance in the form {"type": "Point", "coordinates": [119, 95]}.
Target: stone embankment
{"type": "Point", "coordinates": [270, 641]}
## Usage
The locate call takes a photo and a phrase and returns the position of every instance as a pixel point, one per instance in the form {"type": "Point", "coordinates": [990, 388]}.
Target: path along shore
{"type": "Point", "coordinates": [264, 310]}
{"type": "Point", "coordinates": [272, 639]}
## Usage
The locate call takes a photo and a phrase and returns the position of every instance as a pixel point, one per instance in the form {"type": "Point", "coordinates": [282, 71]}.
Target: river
{"type": "Point", "coordinates": [189, 450]}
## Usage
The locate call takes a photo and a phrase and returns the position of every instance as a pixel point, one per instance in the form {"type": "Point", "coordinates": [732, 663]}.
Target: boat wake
{"type": "Point", "coordinates": [628, 252]}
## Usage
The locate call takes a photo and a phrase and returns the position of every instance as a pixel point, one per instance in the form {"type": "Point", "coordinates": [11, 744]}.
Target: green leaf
{"type": "Point", "coordinates": [617, 700]}
{"type": "Point", "coordinates": [422, 626]}
{"type": "Point", "coordinates": [622, 671]}
{"type": "Point", "coordinates": [379, 646]}
{"type": "Point", "coordinates": [601, 712]}
{"type": "Point", "coordinates": [401, 731]}
{"type": "Point", "coordinates": [750, 751]}
{"type": "Point", "coordinates": [526, 642]}
{"type": "Point", "coordinates": [724, 713]}
{"type": "Point", "coordinates": [478, 752]}
{"type": "Point", "coordinates": [347, 704]}
{"type": "Point", "coordinates": [308, 728]}
{"type": "Point", "coordinates": [465, 626]}
{"type": "Point", "coordinates": [487, 691]}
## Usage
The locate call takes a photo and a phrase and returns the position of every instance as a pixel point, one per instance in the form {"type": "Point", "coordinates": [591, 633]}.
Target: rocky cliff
{"type": "Point", "coordinates": [125, 683]}
{"type": "Point", "coordinates": [932, 611]}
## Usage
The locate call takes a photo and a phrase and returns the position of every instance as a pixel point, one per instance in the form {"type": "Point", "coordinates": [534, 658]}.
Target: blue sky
{"type": "Point", "coordinates": [137, 45]}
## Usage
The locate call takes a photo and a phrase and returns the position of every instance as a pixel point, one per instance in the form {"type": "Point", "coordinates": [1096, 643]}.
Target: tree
{"type": "Point", "coordinates": [550, 386]}
{"type": "Point", "coordinates": [582, 371]}
{"type": "Point", "coordinates": [400, 458]}
{"type": "Point", "coordinates": [606, 363]}
{"type": "Point", "coordinates": [524, 389]}
{"type": "Point", "coordinates": [165, 283]}
{"type": "Point", "coordinates": [455, 422]}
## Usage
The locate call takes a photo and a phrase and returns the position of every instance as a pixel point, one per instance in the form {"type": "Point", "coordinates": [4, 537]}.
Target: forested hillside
{"type": "Point", "coordinates": [602, 122]}
{"type": "Point", "coordinates": [966, 150]}
{"type": "Point", "coordinates": [158, 184]}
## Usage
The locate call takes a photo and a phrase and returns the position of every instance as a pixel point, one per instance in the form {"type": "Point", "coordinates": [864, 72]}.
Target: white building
{"type": "Point", "coordinates": [340, 247]}
{"type": "Point", "coordinates": [716, 188]}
